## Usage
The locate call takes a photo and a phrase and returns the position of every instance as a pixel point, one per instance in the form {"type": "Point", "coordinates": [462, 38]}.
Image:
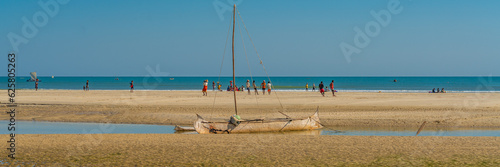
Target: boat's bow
{"type": "Point", "coordinates": [315, 122]}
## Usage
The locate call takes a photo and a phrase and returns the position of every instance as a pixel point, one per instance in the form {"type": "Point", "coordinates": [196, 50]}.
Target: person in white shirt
{"type": "Point", "coordinates": [248, 86]}
{"type": "Point", "coordinates": [269, 87]}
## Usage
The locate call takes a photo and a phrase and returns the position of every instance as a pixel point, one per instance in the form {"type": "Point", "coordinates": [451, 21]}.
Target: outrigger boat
{"type": "Point", "coordinates": [238, 125]}
{"type": "Point", "coordinates": [258, 125]}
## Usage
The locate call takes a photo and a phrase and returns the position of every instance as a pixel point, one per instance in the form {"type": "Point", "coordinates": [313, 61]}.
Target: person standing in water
{"type": "Point", "coordinates": [263, 85]}
{"type": "Point", "coordinates": [218, 86]}
{"type": "Point", "coordinates": [255, 88]}
{"type": "Point", "coordinates": [331, 87]}
{"type": "Point", "coordinates": [269, 87]}
{"type": "Point", "coordinates": [248, 86]}
{"type": "Point", "coordinates": [132, 86]}
{"type": "Point", "coordinates": [321, 90]}
{"type": "Point", "coordinates": [314, 87]}
{"type": "Point", "coordinates": [205, 87]}
{"type": "Point", "coordinates": [213, 85]}
{"type": "Point", "coordinates": [307, 86]}
{"type": "Point", "coordinates": [87, 86]}
{"type": "Point", "coordinates": [36, 85]}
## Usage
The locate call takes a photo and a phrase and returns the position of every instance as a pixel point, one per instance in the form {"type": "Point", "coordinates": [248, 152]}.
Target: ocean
{"type": "Point", "coordinates": [342, 84]}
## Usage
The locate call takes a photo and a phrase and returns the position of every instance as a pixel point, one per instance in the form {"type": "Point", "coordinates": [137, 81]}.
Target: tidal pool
{"type": "Point", "coordinates": [40, 127]}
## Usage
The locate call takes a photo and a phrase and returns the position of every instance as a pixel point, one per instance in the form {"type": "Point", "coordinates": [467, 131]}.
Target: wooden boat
{"type": "Point", "coordinates": [237, 125]}
{"type": "Point", "coordinates": [258, 125]}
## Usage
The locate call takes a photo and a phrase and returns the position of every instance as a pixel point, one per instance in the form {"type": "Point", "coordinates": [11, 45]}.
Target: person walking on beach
{"type": "Point", "coordinates": [263, 85]}
{"type": "Point", "coordinates": [132, 86]}
{"type": "Point", "coordinates": [205, 87]}
{"type": "Point", "coordinates": [87, 86]}
{"type": "Point", "coordinates": [314, 87]}
{"type": "Point", "coordinates": [269, 87]}
{"type": "Point", "coordinates": [255, 88]}
{"type": "Point", "coordinates": [248, 86]}
{"type": "Point", "coordinates": [433, 90]}
{"type": "Point", "coordinates": [307, 87]}
{"type": "Point", "coordinates": [218, 86]}
{"type": "Point", "coordinates": [213, 85]}
{"type": "Point", "coordinates": [321, 90]}
{"type": "Point", "coordinates": [331, 87]}
{"type": "Point", "coordinates": [36, 85]}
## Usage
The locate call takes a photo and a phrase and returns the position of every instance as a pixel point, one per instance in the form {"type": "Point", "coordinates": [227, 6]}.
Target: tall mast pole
{"type": "Point", "coordinates": [234, 83]}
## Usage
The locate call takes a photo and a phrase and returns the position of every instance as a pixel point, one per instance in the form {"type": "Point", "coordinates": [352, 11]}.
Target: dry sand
{"type": "Point", "coordinates": [254, 150]}
{"type": "Point", "coordinates": [179, 107]}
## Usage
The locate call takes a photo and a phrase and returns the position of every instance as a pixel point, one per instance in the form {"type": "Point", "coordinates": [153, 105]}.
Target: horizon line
{"type": "Point", "coordinates": [276, 76]}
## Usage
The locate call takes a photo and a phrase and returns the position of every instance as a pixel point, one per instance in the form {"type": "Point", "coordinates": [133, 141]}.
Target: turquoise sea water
{"type": "Point", "coordinates": [362, 84]}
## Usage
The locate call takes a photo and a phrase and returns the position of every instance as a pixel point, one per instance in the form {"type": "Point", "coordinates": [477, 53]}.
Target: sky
{"type": "Point", "coordinates": [293, 38]}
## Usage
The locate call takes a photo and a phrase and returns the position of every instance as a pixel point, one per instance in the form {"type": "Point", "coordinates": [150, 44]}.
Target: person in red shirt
{"type": "Point", "coordinates": [263, 85]}
{"type": "Point", "coordinates": [131, 86]}
{"type": "Point", "coordinates": [36, 85]}
{"type": "Point", "coordinates": [331, 87]}
{"type": "Point", "coordinates": [205, 86]}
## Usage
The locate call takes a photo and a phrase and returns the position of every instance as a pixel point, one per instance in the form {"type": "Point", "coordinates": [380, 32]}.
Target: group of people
{"type": "Point", "coordinates": [437, 91]}
{"type": "Point", "coordinates": [86, 87]}
{"type": "Point", "coordinates": [232, 87]}
{"type": "Point", "coordinates": [322, 88]}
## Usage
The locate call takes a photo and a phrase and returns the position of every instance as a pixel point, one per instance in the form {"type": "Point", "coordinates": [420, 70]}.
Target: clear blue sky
{"type": "Point", "coordinates": [294, 38]}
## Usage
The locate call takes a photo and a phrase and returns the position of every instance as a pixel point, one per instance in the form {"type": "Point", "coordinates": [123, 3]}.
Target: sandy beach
{"type": "Point", "coordinates": [347, 109]}
{"type": "Point", "coordinates": [254, 150]}
{"type": "Point", "coordinates": [181, 107]}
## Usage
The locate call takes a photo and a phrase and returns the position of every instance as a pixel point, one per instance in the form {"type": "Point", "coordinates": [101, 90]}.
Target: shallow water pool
{"type": "Point", "coordinates": [37, 127]}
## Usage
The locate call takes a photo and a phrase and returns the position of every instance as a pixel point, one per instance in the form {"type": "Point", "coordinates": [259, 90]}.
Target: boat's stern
{"type": "Point", "coordinates": [199, 125]}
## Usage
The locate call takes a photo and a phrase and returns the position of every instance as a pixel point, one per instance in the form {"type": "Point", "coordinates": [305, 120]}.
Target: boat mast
{"type": "Point", "coordinates": [234, 83]}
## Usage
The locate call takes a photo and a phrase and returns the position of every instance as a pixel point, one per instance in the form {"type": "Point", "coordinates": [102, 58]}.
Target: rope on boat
{"type": "Point", "coordinates": [220, 71]}
{"type": "Point", "coordinates": [269, 78]}
{"type": "Point", "coordinates": [248, 63]}
{"type": "Point", "coordinates": [286, 124]}
{"type": "Point", "coordinates": [326, 127]}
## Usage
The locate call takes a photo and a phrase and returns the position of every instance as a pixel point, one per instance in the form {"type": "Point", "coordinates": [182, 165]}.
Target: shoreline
{"type": "Point", "coordinates": [280, 90]}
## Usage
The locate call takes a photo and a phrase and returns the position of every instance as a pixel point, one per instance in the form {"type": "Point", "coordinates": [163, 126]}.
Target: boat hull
{"type": "Point", "coordinates": [255, 126]}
